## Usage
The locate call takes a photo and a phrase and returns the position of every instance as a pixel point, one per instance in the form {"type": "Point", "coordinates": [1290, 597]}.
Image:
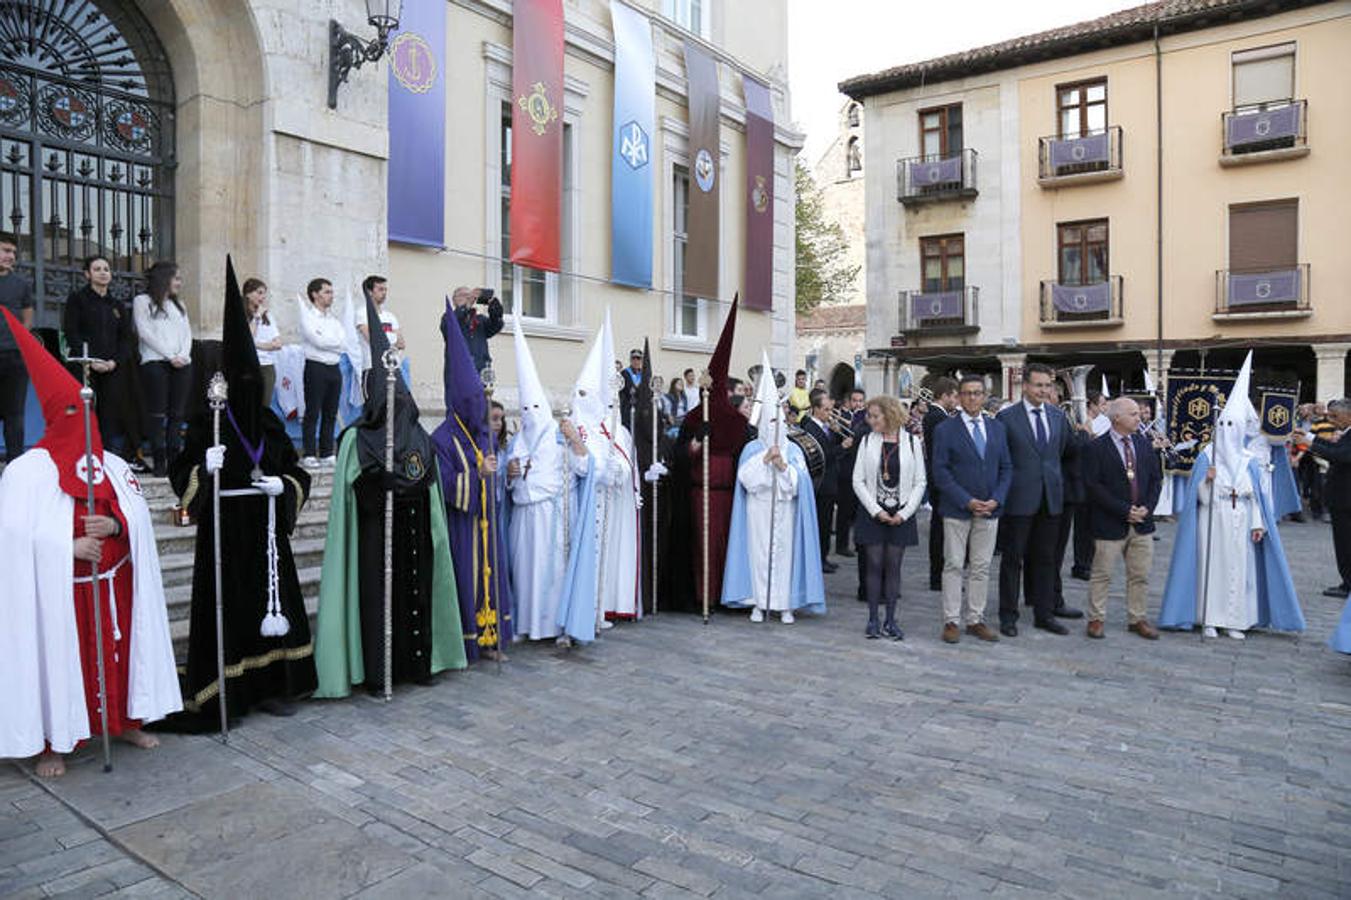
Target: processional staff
{"type": "Point", "coordinates": [705, 386]}
{"type": "Point", "coordinates": [391, 362]}
{"type": "Point", "coordinates": [217, 395]}
{"type": "Point", "coordinates": [489, 379]}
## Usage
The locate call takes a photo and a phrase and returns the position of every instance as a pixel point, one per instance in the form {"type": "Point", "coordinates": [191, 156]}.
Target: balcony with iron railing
{"type": "Point", "coordinates": [952, 312]}
{"type": "Point", "coordinates": [1263, 133]}
{"type": "Point", "coordinates": [1081, 305]}
{"type": "Point", "coordinates": [1095, 156]}
{"type": "Point", "coordinates": [1266, 293]}
{"type": "Point", "coordinates": [930, 179]}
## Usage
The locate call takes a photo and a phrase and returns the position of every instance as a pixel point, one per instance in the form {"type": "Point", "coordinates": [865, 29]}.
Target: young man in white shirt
{"type": "Point", "coordinates": [377, 287]}
{"type": "Point", "coordinates": [324, 337]}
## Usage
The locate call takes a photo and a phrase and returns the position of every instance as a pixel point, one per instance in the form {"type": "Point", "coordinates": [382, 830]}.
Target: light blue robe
{"type": "Point", "coordinates": [807, 590]}
{"type": "Point", "coordinates": [1277, 603]}
{"type": "Point", "coordinates": [1341, 638]}
{"type": "Point", "coordinates": [1285, 499]}
{"type": "Point", "coordinates": [577, 594]}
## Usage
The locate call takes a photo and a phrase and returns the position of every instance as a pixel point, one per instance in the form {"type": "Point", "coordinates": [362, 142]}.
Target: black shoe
{"type": "Point", "coordinates": [1068, 612]}
{"type": "Point", "coordinates": [829, 567]}
{"type": "Point", "coordinates": [873, 631]}
{"type": "Point", "coordinates": [1336, 591]}
{"type": "Point", "coordinates": [1053, 626]}
{"type": "Point", "coordinates": [1296, 517]}
{"type": "Point", "coordinates": [893, 631]}
{"type": "Point", "coordinates": [845, 552]}
{"type": "Point", "coordinates": [935, 584]}
{"type": "Point", "coordinates": [1009, 630]}
{"type": "Point", "coordinates": [1080, 574]}
{"type": "Point", "coordinates": [277, 706]}
{"type": "Point", "coordinates": [138, 465]}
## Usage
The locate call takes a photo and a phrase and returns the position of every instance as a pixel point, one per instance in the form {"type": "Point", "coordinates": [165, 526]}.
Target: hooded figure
{"type": "Point", "coordinates": [1229, 569]}
{"type": "Point", "coordinates": [773, 555]}
{"type": "Point", "coordinates": [553, 571]}
{"type": "Point", "coordinates": [728, 433]}
{"type": "Point", "coordinates": [427, 636]}
{"type": "Point", "coordinates": [269, 656]}
{"type": "Point", "coordinates": [637, 408]}
{"type": "Point", "coordinates": [48, 540]}
{"type": "Point", "coordinates": [467, 461]}
{"type": "Point", "coordinates": [618, 498]}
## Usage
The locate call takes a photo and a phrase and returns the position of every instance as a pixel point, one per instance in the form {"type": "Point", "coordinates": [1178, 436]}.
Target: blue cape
{"type": "Point", "coordinates": [1285, 499]}
{"type": "Point", "coordinates": [807, 591]}
{"type": "Point", "coordinates": [1277, 603]}
{"type": "Point", "coordinates": [1341, 638]}
{"type": "Point", "coordinates": [577, 593]}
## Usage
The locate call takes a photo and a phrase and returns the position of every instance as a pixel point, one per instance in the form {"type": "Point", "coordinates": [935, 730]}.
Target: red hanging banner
{"type": "Point", "coordinates": [537, 133]}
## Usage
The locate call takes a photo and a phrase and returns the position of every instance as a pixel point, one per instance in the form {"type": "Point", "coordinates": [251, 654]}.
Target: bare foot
{"type": "Point", "coordinates": [50, 765]}
{"type": "Point", "coordinates": [497, 656]}
{"type": "Point", "coordinates": [138, 738]}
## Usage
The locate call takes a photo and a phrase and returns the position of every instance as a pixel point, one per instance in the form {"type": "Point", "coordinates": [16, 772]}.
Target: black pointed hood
{"type": "Point", "coordinates": [413, 452]}
{"type": "Point", "coordinates": [239, 361]}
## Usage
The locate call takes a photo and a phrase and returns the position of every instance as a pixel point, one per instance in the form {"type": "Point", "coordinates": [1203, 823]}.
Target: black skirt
{"type": "Point", "coordinates": [868, 530]}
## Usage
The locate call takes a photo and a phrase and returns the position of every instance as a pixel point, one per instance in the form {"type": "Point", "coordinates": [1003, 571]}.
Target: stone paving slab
{"type": "Point", "coordinates": [674, 759]}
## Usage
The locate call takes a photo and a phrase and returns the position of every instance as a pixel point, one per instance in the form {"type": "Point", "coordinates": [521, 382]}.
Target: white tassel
{"type": "Point", "coordinates": [275, 624]}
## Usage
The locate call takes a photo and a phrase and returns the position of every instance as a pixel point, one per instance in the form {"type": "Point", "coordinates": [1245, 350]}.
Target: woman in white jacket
{"type": "Point", "coordinates": [889, 483]}
{"type": "Point", "coordinates": [166, 360]}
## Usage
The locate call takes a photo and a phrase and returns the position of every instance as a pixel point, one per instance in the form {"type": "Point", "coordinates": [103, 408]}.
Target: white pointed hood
{"type": "Point", "coordinates": [771, 427]}
{"type": "Point", "coordinates": [611, 393]}
{"type": "Point", "coordinates": [1236, 425]}
{"type": "Point", "coordinates": [537, 417]}
{"type": "Point", "coordinates": [589, 405]}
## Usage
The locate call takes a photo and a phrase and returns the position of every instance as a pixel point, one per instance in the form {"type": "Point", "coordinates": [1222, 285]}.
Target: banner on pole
{"type": "Point", "coordinates": [631, 166]}
{"type": "Point", "coordinates": [417, 127]}
{"type": "Point", "coordinates": [759, 288]}
{"type": "Point", "coordinates": [536, 133]}
{"type": "Point", "coordinates": [702, 247]}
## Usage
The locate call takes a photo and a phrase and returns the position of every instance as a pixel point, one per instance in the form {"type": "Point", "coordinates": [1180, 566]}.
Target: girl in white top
{"type": "Point", "coordinates": [166, 360]}
{"type": "Point", "coordinates": [266, 337]}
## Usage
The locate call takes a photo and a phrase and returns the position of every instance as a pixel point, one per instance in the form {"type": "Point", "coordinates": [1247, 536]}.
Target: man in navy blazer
{"type": "Point", "coordinates": [1122, 476]}
{"type": "Point", "coordinates": [972, 469]}
{"type": "Point", "coordinates": [1038, 438]}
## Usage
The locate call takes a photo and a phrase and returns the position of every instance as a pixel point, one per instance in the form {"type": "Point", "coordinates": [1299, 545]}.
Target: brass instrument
{"type": "Point", "coordinates": [1077, 410]}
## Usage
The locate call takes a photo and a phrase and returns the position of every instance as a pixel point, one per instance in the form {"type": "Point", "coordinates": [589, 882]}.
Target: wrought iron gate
{"type": "Point", "coordinates": [86, 143]}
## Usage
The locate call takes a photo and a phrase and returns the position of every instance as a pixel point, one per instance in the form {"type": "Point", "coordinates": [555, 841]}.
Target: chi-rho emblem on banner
{"type": "Point", "coordinates": [633, 145]}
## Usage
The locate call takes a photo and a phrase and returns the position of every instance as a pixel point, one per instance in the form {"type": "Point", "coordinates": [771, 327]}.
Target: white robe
{"type": "Point", "coordinates": [539, 555]}
{"type": "Point", "coordinates": [758, 479]}
{"type": "Point", "coordinates": [617, 499]}
{"type": "Point", "coordinates": [1226, 580]}
{"type": "Point", "coordinates": [41, 682]}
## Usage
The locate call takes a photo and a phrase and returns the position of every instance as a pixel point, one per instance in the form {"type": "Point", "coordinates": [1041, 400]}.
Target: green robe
{"type": "Point", "coordinates": [337, 643]}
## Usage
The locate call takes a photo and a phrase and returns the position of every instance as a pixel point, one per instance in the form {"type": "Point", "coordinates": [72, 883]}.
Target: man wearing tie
{"type": "Point", "coordinates": [817, 424]}
{"type": "Point", "coordinates": [944, 402]}
{"type": "Point", "coordinates": [1122, 477]}
{"type": "Point", "coordinates": [1038, 438]}
{"type": "Point", "coordinates": [971, 463]}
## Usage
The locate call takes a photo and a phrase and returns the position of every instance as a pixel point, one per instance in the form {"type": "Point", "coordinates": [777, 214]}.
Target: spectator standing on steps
{"type": "Point", "coordinates": [166, 360]}
{"type": "Point", "coordinates": [16, 295]}
{"type": "Point", "coordinates": [324, 337]}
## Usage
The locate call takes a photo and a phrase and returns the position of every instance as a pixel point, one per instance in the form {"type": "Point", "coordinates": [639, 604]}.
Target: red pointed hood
{"type": "Point", "coordinates": [728, 426]}
{"type": "Point", "coordinates": [59, 396]}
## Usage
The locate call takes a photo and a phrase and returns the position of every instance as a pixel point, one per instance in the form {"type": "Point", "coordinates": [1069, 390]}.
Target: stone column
{"type": "Point", "coordinates": [1011, 374]}
{"type": "Point", "coordinates": [1330, 371]}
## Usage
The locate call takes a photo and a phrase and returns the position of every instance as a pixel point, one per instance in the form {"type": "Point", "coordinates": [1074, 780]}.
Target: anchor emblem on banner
{"type": "Point", "coordinates": [703, 170]}
{"type": "Point", "coordinates": [537, 106]}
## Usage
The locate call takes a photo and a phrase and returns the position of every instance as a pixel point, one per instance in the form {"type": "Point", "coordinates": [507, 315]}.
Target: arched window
{"type": "Point", "coordinates": [853, 115]}
{"type": "Point", "coordinates": [853, 158]}
{"type": "Point", "coordinates": [86, 143]}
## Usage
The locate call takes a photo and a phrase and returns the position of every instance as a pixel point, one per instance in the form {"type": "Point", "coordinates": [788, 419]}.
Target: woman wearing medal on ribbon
{"type": "Point", "coordinates": [269, 655]}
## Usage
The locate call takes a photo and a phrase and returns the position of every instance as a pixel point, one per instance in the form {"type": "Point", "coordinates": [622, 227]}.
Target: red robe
{"type": "Point", "coordinates": [114, 590]}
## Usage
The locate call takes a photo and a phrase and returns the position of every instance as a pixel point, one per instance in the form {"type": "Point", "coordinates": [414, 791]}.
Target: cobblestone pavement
{"type": "Point", "coordinates": [674, 760]}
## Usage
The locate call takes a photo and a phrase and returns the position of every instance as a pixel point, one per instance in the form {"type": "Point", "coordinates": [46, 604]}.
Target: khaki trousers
{"type": "Point", "coordinates": [967, 544]}
{"type": "Point", "coordinates": [1138, 549]}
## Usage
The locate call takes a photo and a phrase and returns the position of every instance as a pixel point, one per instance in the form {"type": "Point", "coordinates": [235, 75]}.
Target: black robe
{"type": "Point", "coordinates": [258, 668]}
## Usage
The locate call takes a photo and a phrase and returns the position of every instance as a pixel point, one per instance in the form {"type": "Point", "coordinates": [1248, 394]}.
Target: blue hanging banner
{"type": "Point", "coordinates": [631, 168]}
{"type": "Point", "coordinates": [417, 125]}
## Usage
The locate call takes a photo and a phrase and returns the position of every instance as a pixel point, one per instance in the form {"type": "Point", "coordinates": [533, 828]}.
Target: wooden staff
{"type": "Point", "coordinates": [489, 378]}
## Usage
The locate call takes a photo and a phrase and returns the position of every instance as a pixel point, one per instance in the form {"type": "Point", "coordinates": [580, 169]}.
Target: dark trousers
{"type": "Point", "coordinates": [825, 508]}
{"type": "Point", "coordinates": [881, 568]}
{"type": "Point", "coordinates": [1341, 543]}
{"type": "Point", "coordinates": [165, 391]}
{"type": "Point", "coordinates": [935, 543]}
{"type": "Point", "coordinates": [1033, 537]}
{"type": "Point", "coordinates": [1068, 523]}
{"type": "Point", "coordinates": [1311, 483]}
{"type": "Point", "coordinates": [13, 396]}
{"type": "Point", "coordinates": [323, 389]}
{"type": "Point", "coordinates": [1083, 539]}
{"type": "Point", "coordinates": [846, 507]}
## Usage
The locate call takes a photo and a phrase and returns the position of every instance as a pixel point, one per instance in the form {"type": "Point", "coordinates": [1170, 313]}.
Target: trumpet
{"type": "Point", "coordinates": [841, 422]}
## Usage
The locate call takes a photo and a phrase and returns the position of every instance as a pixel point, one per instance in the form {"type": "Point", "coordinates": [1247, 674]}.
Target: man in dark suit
{"type": "Point", "coordinates": [1074, 518]}
{"type": "Point", "coordinates": [846, 504]}
{"type": "Point", "coordinates": [817, 424]}
{"type": "Point", "coordinates": [972, 467]}
{"type": "Point", "coordinates": [1038, 439]}
{"type": "Point", "coordinates": [940, 410]}
{"type": "Point", "coordinates": [1122, 477]}
{"type": "Point", "coordinates": [1336, 486]}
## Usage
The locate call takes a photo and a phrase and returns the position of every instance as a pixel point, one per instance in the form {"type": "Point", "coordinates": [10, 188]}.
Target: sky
{"type": "Point", "coordinates": [831, 40]}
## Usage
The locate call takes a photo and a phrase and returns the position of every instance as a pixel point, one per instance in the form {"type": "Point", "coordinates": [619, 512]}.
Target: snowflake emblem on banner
{"type": "Point", "coordinates": [537, 106]}
{"type": "Point", "coordinates": [703, 170]}
{"type": "Point", "coordinates": [633, 145]}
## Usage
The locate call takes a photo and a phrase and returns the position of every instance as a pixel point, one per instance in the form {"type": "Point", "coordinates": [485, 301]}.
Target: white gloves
{"type": "Point", "coordinates": [270, 485]}
{"type": "Point", "coordinates": [654, 473]}
{"type": "Point", "coordinates": [215, 459]}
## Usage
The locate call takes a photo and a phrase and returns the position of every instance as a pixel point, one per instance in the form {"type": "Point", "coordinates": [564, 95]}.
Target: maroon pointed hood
{"type": "Point", "coordinates": [728, 426]}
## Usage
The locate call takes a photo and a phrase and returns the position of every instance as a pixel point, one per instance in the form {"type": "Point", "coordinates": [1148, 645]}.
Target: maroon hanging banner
{"type": "Point", "coordinates": [537, 133]}
{"type": "Point", "coordinates": [759, 290]}
{"type": "Point", "coordinates": [701, 248]}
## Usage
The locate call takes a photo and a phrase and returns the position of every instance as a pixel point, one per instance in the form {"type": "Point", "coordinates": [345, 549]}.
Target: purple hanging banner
{"type": "Point", "coordinates": [1096, 148]}
{"type": "Point", "coordinates": [1082, 298]}
{"type": "Point", "coordinates": [936, 305]}
{"type": "Point", "coordinates": [1249, 288]}
{"type": "Point", "coordinates": [417, 125]}
{"type": "Point", "coordinates": [939, 171]}
{"type": "Point", "coordinates": [1260, 127]}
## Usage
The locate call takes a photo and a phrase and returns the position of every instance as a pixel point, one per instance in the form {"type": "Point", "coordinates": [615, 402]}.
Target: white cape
{"type": "Point", "coordinates": [41, 682]}
{"type": "Point", "coordinates": [620, 587]}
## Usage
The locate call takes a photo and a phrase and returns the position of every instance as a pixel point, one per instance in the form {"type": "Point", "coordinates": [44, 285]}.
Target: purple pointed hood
{"type": "Point", "coordinates": [463, 383]}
